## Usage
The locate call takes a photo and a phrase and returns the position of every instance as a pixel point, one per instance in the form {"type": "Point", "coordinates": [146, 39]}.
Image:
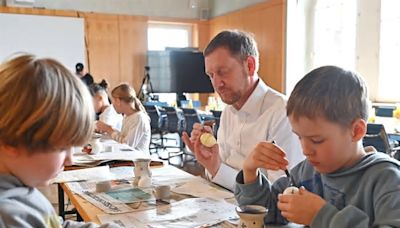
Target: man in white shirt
{"type": "Point", "coordinates": [255, 115]}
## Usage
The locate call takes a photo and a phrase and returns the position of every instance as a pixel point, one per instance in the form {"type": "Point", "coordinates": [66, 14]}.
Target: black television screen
{"type": "Point", "coordinates": [178, 72]}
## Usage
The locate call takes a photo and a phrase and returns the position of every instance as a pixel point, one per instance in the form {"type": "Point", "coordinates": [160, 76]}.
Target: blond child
{"type": "Point", "coordinates": [135, 131]}
{"type": "Point", "coordinates": [341, 185]}
{"type": "Point", "coordinates": [45, 111]}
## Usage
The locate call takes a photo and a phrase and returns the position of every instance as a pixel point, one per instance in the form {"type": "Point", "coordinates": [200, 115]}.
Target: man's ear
{"type": "Point", "coordinates": [251, 65]}
{"type": "Point", "coordinates": [359, 129]}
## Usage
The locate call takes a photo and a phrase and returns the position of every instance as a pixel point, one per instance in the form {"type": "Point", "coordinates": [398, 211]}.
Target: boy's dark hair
{"type": "Point", "coordinates": [330, 92]}
{"type": "Point", "coordinates": [240, 44]}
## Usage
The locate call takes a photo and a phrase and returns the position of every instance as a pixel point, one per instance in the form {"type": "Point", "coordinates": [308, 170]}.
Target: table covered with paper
{"type": "Point", "coordinates": [194, 201]}
{"type": "Point", "coordinates": [111, 152]}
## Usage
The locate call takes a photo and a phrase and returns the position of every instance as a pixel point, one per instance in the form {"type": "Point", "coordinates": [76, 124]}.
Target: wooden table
{"type": "Point", "coordinates": [89, 212]}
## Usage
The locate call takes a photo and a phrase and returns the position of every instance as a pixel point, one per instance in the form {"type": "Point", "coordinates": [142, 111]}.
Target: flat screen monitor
{"type": "Point", "coordinates": [178, 72]}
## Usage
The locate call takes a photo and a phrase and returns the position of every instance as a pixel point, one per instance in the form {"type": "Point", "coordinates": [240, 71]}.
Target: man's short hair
{"type": "Point", "coordinates": [240, 44]}
{"type": "Point", "coordinates": [330, 92]}
{"type": "Point", "coordinates": [79, 67]}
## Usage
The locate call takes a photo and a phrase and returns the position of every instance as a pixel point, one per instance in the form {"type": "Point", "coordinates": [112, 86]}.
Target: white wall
{"type": "Point", "coordinates": [61, 38]}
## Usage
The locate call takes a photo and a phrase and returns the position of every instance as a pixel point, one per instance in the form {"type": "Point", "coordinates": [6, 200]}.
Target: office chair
{"type": "Point", "coordinates": [157, 124]}
{"type": "Point", "coordinates": [377, 137]}
{"type": "Point", "coordinates": [175, 125]}
{"type": "Point", "coordinates": [191, 117]}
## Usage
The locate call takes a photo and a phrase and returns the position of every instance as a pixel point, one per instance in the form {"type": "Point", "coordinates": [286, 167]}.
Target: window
{"type": "Point", "coordinates": [354, 34]}
{"type": "Point", "coordinates": [163, 35]}
{"type": "Point", "coordinates": [389, 52]}
{"type": "Point", "coordinates": [334, 40]}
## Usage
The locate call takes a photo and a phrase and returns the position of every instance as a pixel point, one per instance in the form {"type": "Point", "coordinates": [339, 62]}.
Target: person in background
{"type": "Point", "coordinates": [46, 111]}
{"type": "Point", "coordinates": [83, 74]}
{"type": "Point", "coordinates": [136, 131]}
{"type": "Point", "coordinates": [341, 185]}
{"type": "Point", "coordinates": [102, 106]}
{"type": "Point", "coordinates": [255, 115]}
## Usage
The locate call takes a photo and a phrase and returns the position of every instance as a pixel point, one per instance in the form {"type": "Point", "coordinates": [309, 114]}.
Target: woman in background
{"type": "Point", "coordinates": [135, 130]}
{"type": "Point", "coordinates": [102, 106]}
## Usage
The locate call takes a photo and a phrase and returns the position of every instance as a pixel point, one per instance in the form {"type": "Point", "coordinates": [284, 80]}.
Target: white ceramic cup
{"type": "Point", "coordinates": [251, 216]}
{"type": "Point", "coordinates": [162, 192]}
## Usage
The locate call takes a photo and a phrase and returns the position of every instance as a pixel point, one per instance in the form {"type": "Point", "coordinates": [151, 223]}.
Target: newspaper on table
{"type": "Point", "coordinates": [121, 199]}
{"type": "Point", "coordinates": [90, 186]}
{"type": "Point", "coordinates": [95, 173]}
{"type": "Point", "coordinates": [88, 160]}
{"type": "Point", "coordinates": [190, 213]}
{"type": "Point", "coordinates": [200, 187]}
{"type": "Point", "coordinates": [162, 176]}
{"type": "Point", "coordinates": [106, 203]}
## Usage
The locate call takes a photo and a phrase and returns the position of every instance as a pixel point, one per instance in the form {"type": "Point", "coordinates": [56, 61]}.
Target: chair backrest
{"type": "Point", "coordinates": [175, 120]}
{"type": "Point", "coordinates": [191, 117]}
{"type": "Point", "coordinates": [377, 137]}
{"type": "Point", "coordinates": [157, 120]}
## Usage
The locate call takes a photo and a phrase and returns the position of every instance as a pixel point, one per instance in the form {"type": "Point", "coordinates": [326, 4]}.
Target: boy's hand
{"type": "Point", "coordinates": [206, 156]}
{"type": "Point", "coordinates": [265, 155]}
{"type": "Point", "coordinates": [300, 208]}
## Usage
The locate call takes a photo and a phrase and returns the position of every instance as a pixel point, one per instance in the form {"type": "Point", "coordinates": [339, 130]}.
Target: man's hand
{"type": "Point", "coordinates": [206, 156]}
{"type": "Point", "coordinates": [300, 208]}
{"type": "Point", "coordinates": [265, 155]}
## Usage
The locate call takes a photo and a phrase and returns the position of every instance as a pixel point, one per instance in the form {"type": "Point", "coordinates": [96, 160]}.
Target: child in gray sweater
{"type": "Point", "coordinates": [341, 185]}
{"type": "Point", "coordinates": [45, 110]}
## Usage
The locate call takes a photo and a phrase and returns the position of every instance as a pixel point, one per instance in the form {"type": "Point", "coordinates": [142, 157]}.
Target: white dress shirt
{"type": "Point", "coordinates": [135, 131]}
{"type": "Point", "coordinates": [111, 117]}
{"type": "Point", "coordinates": [262, 118]}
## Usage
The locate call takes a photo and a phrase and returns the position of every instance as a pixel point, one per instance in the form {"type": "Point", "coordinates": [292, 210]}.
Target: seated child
{"type": "Point", "coordinates": [136, 130]}
{"type": "Point", "coordinates": [45, 111]}
{"type": "Point", "coordinates": [102, 106]}
{"type": "Point", "coordinates": [341, 185]}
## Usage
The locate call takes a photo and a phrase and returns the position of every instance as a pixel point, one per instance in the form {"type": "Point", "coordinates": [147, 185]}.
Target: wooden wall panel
{"type": "Point", "coordinates": [132, 49]}
{"type": "Point", "coordinates": [267, 21]}
{"type": "Point", "coordinates": [202, 34]}
{"type": "Point", "coordinates": [102, 40]}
